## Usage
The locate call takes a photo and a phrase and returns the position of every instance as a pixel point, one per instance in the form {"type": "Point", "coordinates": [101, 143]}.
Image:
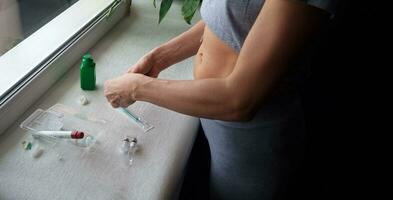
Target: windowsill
{"type": "Point", "coordinates": [26, 78]}
{"type": "Point", "coordinates": [158, 167]}
{"type": "Point", "coordinates": [35, 49]}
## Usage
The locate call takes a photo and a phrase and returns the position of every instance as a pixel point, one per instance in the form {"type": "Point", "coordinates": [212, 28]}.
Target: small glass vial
{"type": "Point", "coordinates": [125, 146]}
{"type": "Point", "coordinates": [88, 73]}
{"type": "Point", "coordinates": [131, 151]}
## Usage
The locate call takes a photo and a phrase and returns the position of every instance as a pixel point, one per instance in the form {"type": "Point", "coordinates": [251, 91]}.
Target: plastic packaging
{"type": "Point", "coordinates": [50, 126]}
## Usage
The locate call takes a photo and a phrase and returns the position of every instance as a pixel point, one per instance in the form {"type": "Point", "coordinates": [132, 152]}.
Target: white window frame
{"type": "Point", "coordinates": [35, 64]}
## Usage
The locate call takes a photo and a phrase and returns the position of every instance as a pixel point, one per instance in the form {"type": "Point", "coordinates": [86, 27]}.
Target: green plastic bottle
{"type": "Point", "coordinates": [88, 73]}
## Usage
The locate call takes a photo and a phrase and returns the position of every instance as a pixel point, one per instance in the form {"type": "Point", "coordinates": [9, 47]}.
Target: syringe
{"type": "Point", "coordinates": [137, 120]}
{"type": "Point", "coordinates": [61, 134]}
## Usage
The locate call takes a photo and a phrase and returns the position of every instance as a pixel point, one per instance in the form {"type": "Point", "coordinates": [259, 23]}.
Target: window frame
{"type": "Point", "coordinates": [33, 75]}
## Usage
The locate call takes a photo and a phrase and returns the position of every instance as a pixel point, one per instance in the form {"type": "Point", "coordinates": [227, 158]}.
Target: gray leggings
{"type": "Point", "coordinates": [253, 160]}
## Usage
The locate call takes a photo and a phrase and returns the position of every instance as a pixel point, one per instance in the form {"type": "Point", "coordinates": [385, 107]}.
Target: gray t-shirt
{"type": "Point", "coordinates": [231, 20]}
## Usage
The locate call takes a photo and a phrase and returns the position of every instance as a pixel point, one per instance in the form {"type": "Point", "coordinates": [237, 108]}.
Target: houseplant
{"type": "Point", "coordinates": [188, 8]}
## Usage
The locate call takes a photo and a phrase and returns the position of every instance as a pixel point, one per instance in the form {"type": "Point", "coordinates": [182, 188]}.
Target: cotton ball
{"type": "Point", "coordinates": [83, 100]}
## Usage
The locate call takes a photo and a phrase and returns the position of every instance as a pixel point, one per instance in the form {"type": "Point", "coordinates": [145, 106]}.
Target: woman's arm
{"type": "Point", "coordinates": [171, 52]}
{"type": "Point", "coordinates": [280, 32]}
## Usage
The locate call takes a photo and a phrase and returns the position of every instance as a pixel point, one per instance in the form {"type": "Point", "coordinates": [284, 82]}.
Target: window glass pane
{"type": "Point", "coordinates": [21, 18]}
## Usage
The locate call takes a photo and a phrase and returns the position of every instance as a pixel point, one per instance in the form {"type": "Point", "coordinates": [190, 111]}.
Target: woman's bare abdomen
{"type": "Point", "coordinates": [214, 59]}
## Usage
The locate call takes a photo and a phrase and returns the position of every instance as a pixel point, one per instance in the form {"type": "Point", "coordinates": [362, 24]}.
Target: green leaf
{"type": "Point", "coordinates": [164, 7]}
{"type": "Point", "coordinates": [189, 8]}
{"type": "Point", "coordinates": [188, 19]}
{"type": "Point", "coordinates": [154, 3]}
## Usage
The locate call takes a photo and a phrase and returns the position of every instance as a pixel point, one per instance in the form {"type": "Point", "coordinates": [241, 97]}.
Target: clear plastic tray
{"type": "Point", "coordinates": [42, 120]}
{"type": "Point", "coordinates": [62, 118]}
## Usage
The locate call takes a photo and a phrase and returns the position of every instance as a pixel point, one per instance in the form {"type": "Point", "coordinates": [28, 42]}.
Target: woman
{"type": "Point", "coordinates": [244, 89]}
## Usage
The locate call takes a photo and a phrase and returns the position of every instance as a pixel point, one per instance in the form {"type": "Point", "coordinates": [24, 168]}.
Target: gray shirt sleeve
{"type": "Point", "coordinates": [329, 6]}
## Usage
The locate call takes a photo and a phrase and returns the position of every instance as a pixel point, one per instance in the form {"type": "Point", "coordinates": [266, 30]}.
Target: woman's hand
{"type": "Point", "coordinates": [147, 65]}
{"type": "Point", "coordinates": [179, 48]}
{"type": "Point", "coordinates": [120, 91]}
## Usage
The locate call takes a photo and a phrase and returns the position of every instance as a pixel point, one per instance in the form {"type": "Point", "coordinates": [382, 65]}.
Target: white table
{"type": "Point", "coordinates": [101, 174]}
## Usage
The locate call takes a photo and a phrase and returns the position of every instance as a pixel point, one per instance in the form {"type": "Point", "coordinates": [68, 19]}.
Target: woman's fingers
{"type": "Point", "coordinates": [145, 65]}
{"type": "Point", "coordinates": [125, 103]}
{"type": "Point", "coordinates": [118, 91]}
{"type": "Point", "coordinates": [132, 69]}
{"type": "Point", "coordinates": [113, 99]}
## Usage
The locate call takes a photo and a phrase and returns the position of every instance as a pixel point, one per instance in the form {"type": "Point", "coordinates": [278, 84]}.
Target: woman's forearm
{"type": "Point", "coordinates": [180, 47]}
{"type": "Point", "coordinates": [207, 98]}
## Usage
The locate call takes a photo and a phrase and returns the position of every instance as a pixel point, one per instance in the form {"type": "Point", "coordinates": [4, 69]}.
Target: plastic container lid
{"type": "Point", "coordinates": [42, 120]}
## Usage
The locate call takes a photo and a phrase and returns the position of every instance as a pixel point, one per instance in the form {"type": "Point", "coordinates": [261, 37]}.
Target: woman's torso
{"type": "Point", "coordinates": [227, 25]}
{"type": "Point", "coordinates": [214, 59]}
{"type": "Point", "coordinates": [248, 157]}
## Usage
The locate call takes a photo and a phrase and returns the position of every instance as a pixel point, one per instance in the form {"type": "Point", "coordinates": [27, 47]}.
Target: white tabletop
{"type": "Point", "coordinates": [99, 172]}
